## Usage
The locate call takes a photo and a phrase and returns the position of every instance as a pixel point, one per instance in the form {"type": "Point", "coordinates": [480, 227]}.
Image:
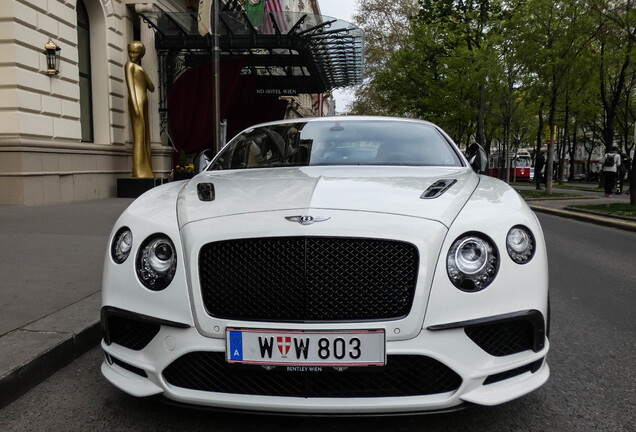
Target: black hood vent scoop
{"type": "Point", "coordinates": [206, 191]}
{"type": "Point", "coordinates": [438, 188]}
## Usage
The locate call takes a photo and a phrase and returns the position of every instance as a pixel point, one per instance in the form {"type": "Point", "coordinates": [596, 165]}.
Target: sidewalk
{"type": "Point", "coordinates": [564, 207]}
{"type": "Point", "coordinates": [50, 281]}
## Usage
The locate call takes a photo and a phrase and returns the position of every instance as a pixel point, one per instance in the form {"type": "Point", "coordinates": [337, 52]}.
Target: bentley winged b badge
{"type": "Point", "coordinates": [307, 220]}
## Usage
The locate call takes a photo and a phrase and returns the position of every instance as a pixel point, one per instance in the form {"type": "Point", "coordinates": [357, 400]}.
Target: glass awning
{"type": "Point", "coordinates": [292, 52]}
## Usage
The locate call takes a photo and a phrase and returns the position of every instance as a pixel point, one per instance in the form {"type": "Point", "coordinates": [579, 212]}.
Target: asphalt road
{"type": "Point", "coordinates": [592, 387]}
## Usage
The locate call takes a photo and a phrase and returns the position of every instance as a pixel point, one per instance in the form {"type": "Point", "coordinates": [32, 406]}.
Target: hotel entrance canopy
{"type": "Point", "coordinates": [279, 54]}
{"type": "Point", "coordinates": [292, 52]}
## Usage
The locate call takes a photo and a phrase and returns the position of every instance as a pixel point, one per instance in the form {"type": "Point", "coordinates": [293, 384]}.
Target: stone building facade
{"type": "Point", "coordinates": [67, 137]}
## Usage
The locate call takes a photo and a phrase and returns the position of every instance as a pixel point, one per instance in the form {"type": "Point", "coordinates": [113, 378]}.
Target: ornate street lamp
{"type": "Point", "coordinates": [52, 57]}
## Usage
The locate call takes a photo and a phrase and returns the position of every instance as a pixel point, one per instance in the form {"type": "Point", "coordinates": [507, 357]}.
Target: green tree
{"type": "Point", "coordinates": [467, 26]}
{"type": "Point", "coordinates": [386, 27]}
{"type": "Point", "coordinates": [553, 36]}
{"type": "Point", "coordinates": [613, 47]}
{"type": "Point", "coordinates": [498, 70]}
{"type": "Point", "coordinates": [446, 71]}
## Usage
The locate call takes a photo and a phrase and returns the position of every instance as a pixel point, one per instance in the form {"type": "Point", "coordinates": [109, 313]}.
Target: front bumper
{"type": "Point", "coordinates": [482, 378]}
{"type": "Point", "coordinates": [433, 329]}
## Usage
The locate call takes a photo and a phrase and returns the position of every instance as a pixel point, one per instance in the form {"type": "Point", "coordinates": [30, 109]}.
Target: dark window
{"type": "Point", "coordinates": [85, 82]}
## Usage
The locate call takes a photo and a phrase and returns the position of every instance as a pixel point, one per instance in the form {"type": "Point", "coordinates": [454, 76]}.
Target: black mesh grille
{"type": "Point", "coordinates": [129, 333]}
{"type": "Point", "coordinates": [308, 278]}
{"type": "Point", "coordinates": [504, 338]}
{"type": "Point", "coordinates": [406, 375]}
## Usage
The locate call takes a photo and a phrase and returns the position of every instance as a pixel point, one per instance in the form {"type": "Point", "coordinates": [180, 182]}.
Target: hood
{"type": "Point", "coordinates": [389, 190]}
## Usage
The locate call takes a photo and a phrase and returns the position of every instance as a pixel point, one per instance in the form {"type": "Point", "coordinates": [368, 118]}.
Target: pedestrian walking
{"type": "Point", "coordinates": [611, 164]}
{"type": "Point", "coordinates": [539, 164]}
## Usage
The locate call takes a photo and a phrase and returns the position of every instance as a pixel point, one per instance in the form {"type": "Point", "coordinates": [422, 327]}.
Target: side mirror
{"type": "Point", "coordinates": [203, 159]}
{"type": "Point", "coordinates": [477, 158]}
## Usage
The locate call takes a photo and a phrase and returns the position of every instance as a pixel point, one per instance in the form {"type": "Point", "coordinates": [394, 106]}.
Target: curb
{"type": "Point", "coordinates": [592, 212]}
{"type": "Point", "coordinates": [587, 217]}
{"type": "Point", "coordinates": [32, 353]}
{"type": "Point", "coordinates": [568, 198]}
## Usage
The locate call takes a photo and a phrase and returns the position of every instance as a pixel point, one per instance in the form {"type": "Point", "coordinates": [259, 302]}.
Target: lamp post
{"type": "Point", "coordinates": [208, 26]}
{"type": "Point", "coordinates": [505, 109]}
{"type": "Point", "coordinates": [52, 57]}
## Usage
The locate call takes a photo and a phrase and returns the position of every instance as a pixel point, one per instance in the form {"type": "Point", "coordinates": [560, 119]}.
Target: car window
{"type": "Point", "coordinates": [339, 143]}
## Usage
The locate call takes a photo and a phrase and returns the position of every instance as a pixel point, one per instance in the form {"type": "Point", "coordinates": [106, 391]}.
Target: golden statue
{"type": "Point", "coordinates": [138, 82]}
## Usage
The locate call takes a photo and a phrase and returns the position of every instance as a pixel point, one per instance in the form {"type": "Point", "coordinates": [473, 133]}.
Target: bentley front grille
{"type": "Point", "coordinates": [308, 279]}
{"type": "Point", "coordinates": [403, 375]}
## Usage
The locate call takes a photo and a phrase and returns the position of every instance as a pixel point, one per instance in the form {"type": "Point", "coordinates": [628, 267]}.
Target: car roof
{"type": "Point", "coordinates": [343, 119]}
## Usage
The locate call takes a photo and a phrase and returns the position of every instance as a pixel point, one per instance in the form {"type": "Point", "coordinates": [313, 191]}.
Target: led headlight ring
{"type": "Point", "coordinates": [472, 262]}
{"type": "Point", "coordinates": [156, 262]}
{"type": "Point", "coordinates": [520, 244]}
{"type": "Point", "coordinates": [122, 245]}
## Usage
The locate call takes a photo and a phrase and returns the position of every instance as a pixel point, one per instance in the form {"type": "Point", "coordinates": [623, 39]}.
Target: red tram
{"type": "Point", "coordinates": [521, 168]}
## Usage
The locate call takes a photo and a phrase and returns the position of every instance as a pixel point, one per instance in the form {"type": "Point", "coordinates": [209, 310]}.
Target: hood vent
{"type": "Point", "coordinates": [438, 188]}
{"type": "Point", "coordinates": [205, 191]}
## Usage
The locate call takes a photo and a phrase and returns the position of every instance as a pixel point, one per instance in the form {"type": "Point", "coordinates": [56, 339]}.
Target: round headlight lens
{"type": "Point", "coordinates": [471, 255]}
{"type": "Point", "coordinates": [156, 262]}
{"type": "Point", "coordinates": [520, 244]}
{"type": "Point", "coordinates": [472, 262]}
{"type": "Point", "coordinates": [122, 245]}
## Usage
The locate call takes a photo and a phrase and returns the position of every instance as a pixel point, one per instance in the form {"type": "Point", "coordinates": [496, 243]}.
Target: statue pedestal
{"type": "Point", "coordinates": [182, 176]}
{"type": "Point", "coordinates": [133, 187]}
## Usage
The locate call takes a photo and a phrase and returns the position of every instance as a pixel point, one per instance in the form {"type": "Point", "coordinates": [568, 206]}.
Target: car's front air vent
{"type": "Point", "coordinates": [403, 375]}
{"type": "Point", "coordinates": [127, 332]}
{"type": "Point", "coordinates": [532, 367]}
{"type": "Point", "coordinates": [206, 191]}
{"type": "Point", "coordinates": [437, 188]}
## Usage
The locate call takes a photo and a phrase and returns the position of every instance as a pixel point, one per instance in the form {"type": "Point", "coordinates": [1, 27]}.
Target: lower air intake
{"type": "Point", "coordinates": [504, 338]}
{"type": "Point", "coordinates": [127, 332]}
{"type": "Point", "coordinates": [403, 375]}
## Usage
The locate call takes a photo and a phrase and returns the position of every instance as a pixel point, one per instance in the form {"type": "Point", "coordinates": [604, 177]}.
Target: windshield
{"type": "Point", "coordinates": [524, 162]}
{"type": "Point", "coordinates": [364, 142]}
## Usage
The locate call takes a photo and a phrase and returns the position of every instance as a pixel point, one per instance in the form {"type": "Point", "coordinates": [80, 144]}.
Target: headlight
{"type": "Point", "coordinates": [121, 246]}
{"type": "Point", "coordinates": [472, 262]}
{"type": "Point", "coordinates": [520, 244]}
{"type": "Point", "coordinates": [156, 262]}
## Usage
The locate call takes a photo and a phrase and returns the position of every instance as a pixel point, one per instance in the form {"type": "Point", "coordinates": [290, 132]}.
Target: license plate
{"type": "Point", "coordinates": [305, 348]}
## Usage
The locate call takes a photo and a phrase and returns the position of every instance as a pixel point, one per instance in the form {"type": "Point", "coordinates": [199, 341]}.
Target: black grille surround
{"type": "Point", "coordinates": [129, 333]}
{"type": "Point", "coordinates": [308, 279]}
{"type": "Point", "coordinates": [130, 329]}
{"type": "Point", "coordinates": [502, 339]}
{"type": "Point", "coordinates": [505, 334]}
{"type": "Point", "coordinates": [403, 375]}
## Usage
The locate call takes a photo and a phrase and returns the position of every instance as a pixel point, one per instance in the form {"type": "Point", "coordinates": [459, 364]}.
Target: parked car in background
{"type": "Point", "coordinates": [354, 265]}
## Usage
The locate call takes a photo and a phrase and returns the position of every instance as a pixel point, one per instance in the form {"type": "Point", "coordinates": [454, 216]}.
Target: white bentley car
{"type": "Point", "coordinates": [329, 266]}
